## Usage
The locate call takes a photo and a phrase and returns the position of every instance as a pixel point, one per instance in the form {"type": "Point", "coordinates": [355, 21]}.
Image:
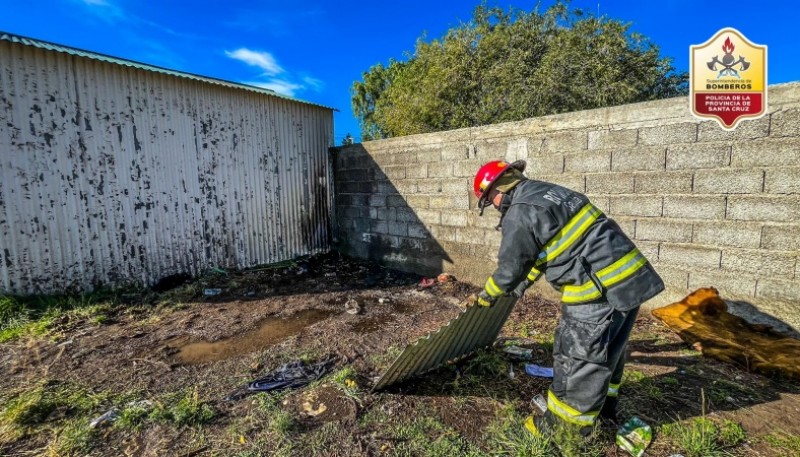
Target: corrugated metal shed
{"type": "Point", "coordinates": [473, 329]}
{"type": "Point", "coordinates": [114, 172]}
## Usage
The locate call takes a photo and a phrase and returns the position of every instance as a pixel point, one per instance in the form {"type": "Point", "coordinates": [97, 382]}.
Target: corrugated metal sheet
{"type": "Point", "coordinates": [5, 36]}
{"type": "Point", "coordinates": [473, 329]}
{"type": "Point", "coordinates": [111, 174]}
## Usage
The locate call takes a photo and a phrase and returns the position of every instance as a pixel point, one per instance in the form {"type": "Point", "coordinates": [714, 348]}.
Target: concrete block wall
{"type": "Point", "coordinates": [707, 207]}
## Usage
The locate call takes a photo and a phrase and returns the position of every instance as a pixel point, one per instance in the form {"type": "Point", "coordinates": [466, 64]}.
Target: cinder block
{"type": "Point", "coordinates": [759, 208]}
{"type": "Point", "coordinates": [781, 237]}
{"type": "Point", "coordinates": [383, 214]}
{"type": "Point", "coordinates": [729, 181]}
{"type": "Point", "coordinates": [573, 181]}
{"type": "Point", "coordinates": [605, 139]}
{"type": "Point", "coordinates": [488, 221]}
{"type": "Point", "coordinates": [726, 233]}
{"type": "Point", "coordinates": [440, 170]}
{"type": "Point", "coordinates": [627, 224]}
{"type": "Point", "coordinates": [404, 187]}
{"type": "Point", "coordinates": [377, 200]}
{"type": "Point", "coordinates": [603, 202]}
{"type": "Point", "coordinates": [535, 145]}
{"type": "Point", "coordinates": [470, 235]}
{"type": "Point", "coordinates": [544, 164]}
{"type": "Point", "coordinates": [396, 201]}
{"type": "Point", "coordinates": [443, 234]}
{"type": "Point", "coordinates": [649, 249]}
{"type": "Point", "coordinates": [674, 277]}
{"type": "Point", "coordinates": [486, 150]}
{"type": "Point", "coordinates": [566, 141]}
{"type": "Point", "coordinates": [449, 202]}
{"type": "Point", "coordinates": [638, 159]}
{"type": "Point", "coordinates": [454, 218]}
{"type": "Point", "coordinates": [455, 186]}
{"type": "Point", "coordinates": [395, 172]}
{"type": "Point", "coordinates": [429, 155]}
{"type": "Point", "coordinates": [418, 201]}
{"type": "Point", "coordinates": [786, 123]}
{"type": "Point", "coordinates": [703, 155]}
{"type": "Point", "coordinates": [767, 152]}
{"type": "Point", "coordinates": [760, 262]}
{"type": "Point", "coordinates": [663, 182]}
{"type": "Point", "coordinates": [429, 186]}
{"type": "Point", "coordinates": [725, 282]}
{"type": "Point", "coordinates": [517, 150]}
{"type": "Point", "coordinates": [783, 180]}
{"type": "Point", "coordinates": [778, 289]}
{"type": "Point", "coordinates": [694, 207]}
{"type": "Point", "coordinates": [398, 228]}
{"type": "Point", "coordinates": [591, 162]}
{"type": "Point", "coordinates": [668, 134]}
{"type": "Point", "coordinates": [417, 170]}
{"type": "Point", "coordinates": [746, 130]}
{"type": "Point", "coordinates": [418, 231]}
{"type": "Point", "coordinates": [379, 227]}
{"type": "Point", "coordinates": [466, 169]}
{"type": "Point", "coordinates": [636, 205]}
{"type": "Point", "coordinates": [660, 229]}
{"type": "Point", "coordinates": [455, 152]}
{"type": "Point", "coordinates": [687, 255]}
{"type": "Point", "coordinates": [609, 183]}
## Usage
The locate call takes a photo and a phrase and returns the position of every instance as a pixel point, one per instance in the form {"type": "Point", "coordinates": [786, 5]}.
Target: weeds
{"type": "Point", "coordinates": [510, 437]}
{"type": "Point", "coordinates": [788, 445]}
{"type": "Point", "coordinates": [697, 438]}
{"type": "Point", "coordinates": [187, 410]}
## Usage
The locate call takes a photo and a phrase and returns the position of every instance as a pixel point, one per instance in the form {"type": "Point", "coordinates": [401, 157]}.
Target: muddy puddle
{"type": "Point", "coordinates": [269, 332]}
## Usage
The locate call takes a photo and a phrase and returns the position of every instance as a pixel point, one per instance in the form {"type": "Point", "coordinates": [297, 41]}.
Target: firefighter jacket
{"type": "Point", "coordinates": [553, 231]}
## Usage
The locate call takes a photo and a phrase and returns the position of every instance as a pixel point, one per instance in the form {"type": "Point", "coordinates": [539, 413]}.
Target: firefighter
{"type": "Point", "coordinates": [551, 231]}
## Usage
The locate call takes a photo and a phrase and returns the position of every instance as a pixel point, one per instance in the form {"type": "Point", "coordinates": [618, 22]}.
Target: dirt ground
{"type": "Point", "coordinates": [211, 346]}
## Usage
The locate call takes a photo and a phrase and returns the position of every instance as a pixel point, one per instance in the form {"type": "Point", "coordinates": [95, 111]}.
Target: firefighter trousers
{"type": "Point", "coordinates": [589, 356]}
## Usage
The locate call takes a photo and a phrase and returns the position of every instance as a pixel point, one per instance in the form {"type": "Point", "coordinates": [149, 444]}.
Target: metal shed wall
{"type": "Point", "coordinates": [111, 174]}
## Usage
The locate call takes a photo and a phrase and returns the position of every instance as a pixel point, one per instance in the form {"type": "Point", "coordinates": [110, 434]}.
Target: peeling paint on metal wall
{"type": "Point", "coordinates": [112, 175]}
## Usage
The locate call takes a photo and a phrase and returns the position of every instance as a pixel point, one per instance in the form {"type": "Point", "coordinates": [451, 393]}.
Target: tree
{"type": "Point", "coordinates": [511, 65]}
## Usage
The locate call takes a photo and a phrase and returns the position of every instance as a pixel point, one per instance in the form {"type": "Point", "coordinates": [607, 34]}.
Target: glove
{"type": "Point", "coordinates": [485, 300]}
{"type": "Point", "coordinates": [519, 291]}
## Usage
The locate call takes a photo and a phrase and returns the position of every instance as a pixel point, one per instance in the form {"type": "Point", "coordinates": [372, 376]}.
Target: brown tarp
{"type": "Point", "coordinates": [702, 320]}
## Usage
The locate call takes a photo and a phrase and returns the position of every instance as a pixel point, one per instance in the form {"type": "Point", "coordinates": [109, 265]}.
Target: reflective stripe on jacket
{"type": "Point", "coordinates": [554, 231]}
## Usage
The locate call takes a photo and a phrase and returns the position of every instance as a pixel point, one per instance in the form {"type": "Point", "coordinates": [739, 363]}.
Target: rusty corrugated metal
{"type": "Point", "coordinates": [473, 329]}
{"type": "Point", "coordinates": [111, 174]}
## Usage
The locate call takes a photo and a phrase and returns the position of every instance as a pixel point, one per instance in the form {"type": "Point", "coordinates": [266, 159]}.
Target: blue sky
{"type": "Point", "coordinates": [314, 50]}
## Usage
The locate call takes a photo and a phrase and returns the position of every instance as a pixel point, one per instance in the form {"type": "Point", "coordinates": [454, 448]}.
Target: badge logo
{"type": "Point", "coordinates": [728, 79]}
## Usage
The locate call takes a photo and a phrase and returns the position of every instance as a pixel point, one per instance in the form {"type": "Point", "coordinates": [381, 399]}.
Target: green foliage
{"type": "Point", "coordinates": [508, 436]}
{"type": "Point", "coordinates": [186, 409]}
{"type": "Point", "coordinates": [788, 445]}
{"type": "Point", "coordinates": [697, 438]}
{"type": "Point", "coordinates": [511, 65]}
{"type": "Point", "coordinates": [731, 433]}
{"type": "Point", "coordinates": [429, 437]}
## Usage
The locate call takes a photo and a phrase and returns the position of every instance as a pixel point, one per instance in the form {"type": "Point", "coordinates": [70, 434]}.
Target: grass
{"type": "Point", "coordinates": [508, 436]}
{"type": "Point", "coordinates": [184, 408]}
{"type": "Point", "coordinates": [788, 445]}
{"type": "Point", "coordinates": [427, 436]}
{"type": "Point", "coordinates": [702, 437]}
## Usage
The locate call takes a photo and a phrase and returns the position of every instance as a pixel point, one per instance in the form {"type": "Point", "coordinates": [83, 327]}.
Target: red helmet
{"type": "Point", "coordinates": [486, 177]}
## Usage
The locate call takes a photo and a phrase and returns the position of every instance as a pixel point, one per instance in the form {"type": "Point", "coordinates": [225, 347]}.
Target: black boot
{"type": "Point", "coordinates": [609, 418]}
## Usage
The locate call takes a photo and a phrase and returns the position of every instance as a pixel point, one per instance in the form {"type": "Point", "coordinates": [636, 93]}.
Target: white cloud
{"type": "Point", "coordinates": [260, 59]}
{"type": "Point", "coordinates": [106, 10]}
{"type": "Point", "coordinates": [282, 87]}
{"type": "Point", "coordinates": [314, 83]}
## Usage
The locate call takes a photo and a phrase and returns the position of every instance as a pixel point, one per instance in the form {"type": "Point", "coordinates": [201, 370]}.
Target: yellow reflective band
{"type": "Point", "coordinates": [491, 288]}
{"type": "Point", "coordinates": [568, 413]}
{"type": "Point", "coordinates": [608, 276]}
{"type": "Point", "coordinates": [613, 390]}
{"type": "Point", "coordinates": [571, 232]}
{"type": "Point", "coordinates": [534, 274]}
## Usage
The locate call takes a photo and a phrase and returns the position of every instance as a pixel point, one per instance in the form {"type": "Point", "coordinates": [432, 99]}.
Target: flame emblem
{"type": "Point", "coordinates": [728, 47]}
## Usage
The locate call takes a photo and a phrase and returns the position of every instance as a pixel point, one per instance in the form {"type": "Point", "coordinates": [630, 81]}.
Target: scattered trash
{"type": "Point", "coordinates": [538, 371]}
{"type": "Point", "coordinates": [352, 306]}
{"type": "Point", "coordinates": [427, 283]}
{"type": "Point", "coordinates": [634, 436]}
{"type": "Point", "coordinates": [445, 277]}
{"type": "Point", "coordinates": [302, 268]}
{"type": "Point", "coordinates": [516, 351]}
{"type": "Point", "coordinates": [219, 271]}
{"type": "Point", "coordinates": [211, 292]}
{"type": "Point", "coordinates": [383, 300]}
{"type": "Point", "coordinates": [113, 414]}
{"type": "Point", "coordinates": [289, 376]}
{"type": "Point", "coordinates": [511, 373]}
{"type": "Point", "coordinates": [171, 282]}
{"type": "Point", "coordinates": [107, 418]}
{"type": "Point", "coordinates": [251, 293]}
{"type": "Point", "coordinates": [329, 275]}
{"type": "Point", "coordinates": [539, 402]}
